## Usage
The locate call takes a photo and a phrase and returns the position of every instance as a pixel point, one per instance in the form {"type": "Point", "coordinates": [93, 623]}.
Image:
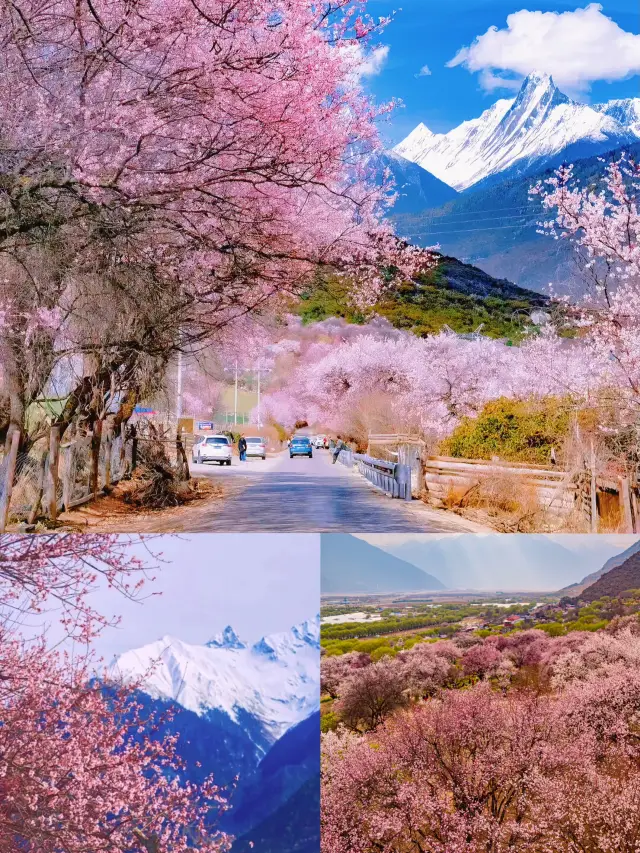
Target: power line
{"type": "Point", "coordinates": [524, 205]}
{"type": "Point", "coordinates": [465, 230]}
{"type": "Point", "coordinates": [475, 219]}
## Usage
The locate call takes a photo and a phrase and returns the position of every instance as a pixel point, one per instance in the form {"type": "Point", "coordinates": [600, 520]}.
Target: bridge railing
{"type": "Point", "coordinates": [392, 477]}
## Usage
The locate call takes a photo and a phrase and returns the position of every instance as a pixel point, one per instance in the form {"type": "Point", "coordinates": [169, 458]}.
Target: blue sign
{"type": "Point", "coordinates": [205, 425]}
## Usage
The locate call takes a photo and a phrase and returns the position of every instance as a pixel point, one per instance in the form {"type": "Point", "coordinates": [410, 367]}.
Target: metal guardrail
{"type": "Point", "coordinates": [391, 477]}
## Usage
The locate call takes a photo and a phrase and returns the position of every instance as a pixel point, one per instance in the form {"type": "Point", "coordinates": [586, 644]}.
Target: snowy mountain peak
{"type": "Point", "coordinates": [538, 126]}
{"type": "Point", "coordinates": [538, 91]}
{"type": "Point", "coordinates": [626, 111]}
{"type": "Point", "coordinates": [275, 682]}
{"type": "Point", "coordinates": [308, 631]}
{"type": "Point", "coordinates": [227, 639]}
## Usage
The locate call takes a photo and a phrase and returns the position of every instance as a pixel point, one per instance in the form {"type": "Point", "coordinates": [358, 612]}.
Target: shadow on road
{"type": "Point", "coordinates": [287, 501]}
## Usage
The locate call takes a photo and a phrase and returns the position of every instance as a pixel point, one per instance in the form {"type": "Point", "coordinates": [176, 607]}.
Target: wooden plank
{"type": "Point", "coordinates": [52, 474]}
{"type": "Point", "coordinates": [495, 469]}
{"type": "Point", "coordinates": [529, 465]}
{"type": "Point", "coordinates": [625, 505]}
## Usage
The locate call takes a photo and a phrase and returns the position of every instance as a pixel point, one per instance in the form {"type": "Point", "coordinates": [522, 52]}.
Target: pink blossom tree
{"type": "Point", "coordinates": [191, 166]}
{"type": "Point", "coordinates": [82, 768]}
{"type": "Point", "coordinates": [604, 225]}
{"type": "Point", "coordinates": [369, 694]}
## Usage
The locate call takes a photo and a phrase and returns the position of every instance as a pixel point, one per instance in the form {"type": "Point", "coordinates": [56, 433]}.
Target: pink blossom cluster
{"type": "Point", "coordinates": [538, 752]}
{"type": "Point", "coordinates": [240, 132]}
{"type": "Point", "coordinates": [603, 222]}
{"type": "Point", "coordinates": [426, 383]}
{"type": "Point", "coordinates": [83, 768]}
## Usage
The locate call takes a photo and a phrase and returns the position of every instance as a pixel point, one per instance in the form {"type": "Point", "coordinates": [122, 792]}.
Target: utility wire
{"type": "Point", "coordinates": [475, 219]}
{"type": "Point", "coordinates": [496, 209]}
{"type": "Point", "coordinates": [466, 230]}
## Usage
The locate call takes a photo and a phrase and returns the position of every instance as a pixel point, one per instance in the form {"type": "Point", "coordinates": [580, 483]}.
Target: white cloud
{"type": "Point", "coordinates": [425, 71]}
{"type": "Point", "coordinates": [576, 48]}
{"type": "Point", "coordinates": [373, 62]}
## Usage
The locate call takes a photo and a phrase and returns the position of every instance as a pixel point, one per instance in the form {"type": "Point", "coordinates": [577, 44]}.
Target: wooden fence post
{"type": "Point", "coordinates": [594, 492]}
{"type": "Point", "coordinates": [35, 506]}
{"type": "Point", "coordinates": [10, 473]}
{"type": "Point", "coordinates": [625, 505]}
{"type": "Point", "coordinates": [52, 473]}
{"type": "Point", "coordinates": [107, 460]}
{"type": "Point", "coordinates": [636, 511]}
{"type": "Point", "coordinates": [69, 479]}
{"type": "Point", "coordinates": [96, 441]}
{"type": "Point", "coordinates": [122, 458]}
{"type": "Point", "coordinates": [134, 450]}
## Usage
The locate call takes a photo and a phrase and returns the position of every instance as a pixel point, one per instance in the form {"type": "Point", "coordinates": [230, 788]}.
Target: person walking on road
{"type": "Point", "coordinates": [339, 445]}
{"type": "Point", "coordinates": [242, 448]}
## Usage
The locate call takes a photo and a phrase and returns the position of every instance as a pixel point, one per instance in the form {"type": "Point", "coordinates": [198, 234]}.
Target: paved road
{"type": "Point", "coordinates": [311, 495]}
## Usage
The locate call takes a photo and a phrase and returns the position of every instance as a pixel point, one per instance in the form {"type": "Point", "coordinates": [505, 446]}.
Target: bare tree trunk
{"type": "Point", "coordinates": [183, 463]}
{"type": "Point", "coordinates": [10, 473]}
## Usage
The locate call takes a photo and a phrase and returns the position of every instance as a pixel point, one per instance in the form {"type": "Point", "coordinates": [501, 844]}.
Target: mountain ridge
{"type": "Point", "coordinates": [351, 565]}
{"type": "Point", "coordinates": [538, 126]}
{"type": "Point", "coordinates": [612, 563]}
{"type": "Point", "coordinates": [484, 564]}
{"type": "Point", "coordinates": [267, 687]}
{"type": "Point", "coordinates": [617, 580]}
{"type": "Point", "coordinates": [495, 228]}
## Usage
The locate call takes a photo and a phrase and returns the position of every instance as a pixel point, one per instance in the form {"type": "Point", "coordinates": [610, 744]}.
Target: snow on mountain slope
{"type": "Point", "coordinates": [624, 110]}
{"type": "Point", "coordinates": [275, 681]}
{"type": "Point", "coordinates": [538, 124]}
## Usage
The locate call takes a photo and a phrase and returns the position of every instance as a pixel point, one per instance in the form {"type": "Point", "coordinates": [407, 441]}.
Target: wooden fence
{"type": "Point", "coordinates": [614, 507]}
{"type": "Point", "coordinates": [57, 476]}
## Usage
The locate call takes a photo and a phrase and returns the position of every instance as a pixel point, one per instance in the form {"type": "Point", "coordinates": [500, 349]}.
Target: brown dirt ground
{"type": "Point", "coordinates": [111, 513]}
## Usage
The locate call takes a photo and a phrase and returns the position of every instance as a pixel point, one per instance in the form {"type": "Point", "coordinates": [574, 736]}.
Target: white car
{"type": "Point", "coordinates": [318, 442]}
{"type": "Point", "coordinates": [212, 448]}
{"type": "Point", "coordinates": [256, 446]}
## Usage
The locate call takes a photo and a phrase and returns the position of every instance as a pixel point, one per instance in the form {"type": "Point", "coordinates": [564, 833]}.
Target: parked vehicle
{"type": "Point", "coordinates": [319, 442]}
{"type": "Point", "coordinates": [212, 448]}
{"type": "Point", "coordinates": [300, 446]}
{"type": "Point", "coordinates": [256, 446]}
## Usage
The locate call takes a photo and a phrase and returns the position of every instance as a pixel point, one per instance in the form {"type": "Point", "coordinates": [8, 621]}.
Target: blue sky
{"type": "Point", "coordinates": [427, 32]}
{"type": "Point", "coordinates": [258, 583]}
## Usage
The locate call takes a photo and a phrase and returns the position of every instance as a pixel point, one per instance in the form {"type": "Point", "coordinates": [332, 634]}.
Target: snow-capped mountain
{"type": "Point", "coordinates": [516, 135]}
{"type": "Point", "coordinates": [275, 681]}
{"type": "Point", "coordinates": [623, 110]}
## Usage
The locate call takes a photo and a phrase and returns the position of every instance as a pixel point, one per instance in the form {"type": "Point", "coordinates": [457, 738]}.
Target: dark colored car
{"type": "Point", "coordinates": [300, 446]}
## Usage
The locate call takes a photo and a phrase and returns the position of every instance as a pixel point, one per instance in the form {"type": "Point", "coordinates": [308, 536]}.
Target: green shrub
{"type": "Point", "coordinates": [553, 629]}
{"type": "Point", "coordinates": [513, 430]}
{"type": "Point", "coordinates": [383, 652]}
{"type": "Point", "coordinates": [329, 722]}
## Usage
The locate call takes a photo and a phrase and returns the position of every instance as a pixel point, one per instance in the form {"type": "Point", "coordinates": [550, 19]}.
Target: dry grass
{"type": "Point", "coordinates": [506, 503]}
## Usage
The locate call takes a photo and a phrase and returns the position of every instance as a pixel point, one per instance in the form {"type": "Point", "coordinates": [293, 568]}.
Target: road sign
{"type": "Point", "coordinates": [204, 425]}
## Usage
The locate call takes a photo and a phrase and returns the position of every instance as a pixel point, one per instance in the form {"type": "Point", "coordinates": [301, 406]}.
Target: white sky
{"type": "Point", "coordinates": [258, 583]}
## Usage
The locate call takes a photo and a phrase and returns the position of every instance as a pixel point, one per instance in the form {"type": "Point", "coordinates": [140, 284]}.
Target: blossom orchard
{"type": "Point", "coordinates": [82, 767]}
{"type": "Point", "coordinates": [427, 383]}
{"type": "Point", "coordinates": [431, 383]}
{"type": "Point", "coordinates": [538, 752]}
